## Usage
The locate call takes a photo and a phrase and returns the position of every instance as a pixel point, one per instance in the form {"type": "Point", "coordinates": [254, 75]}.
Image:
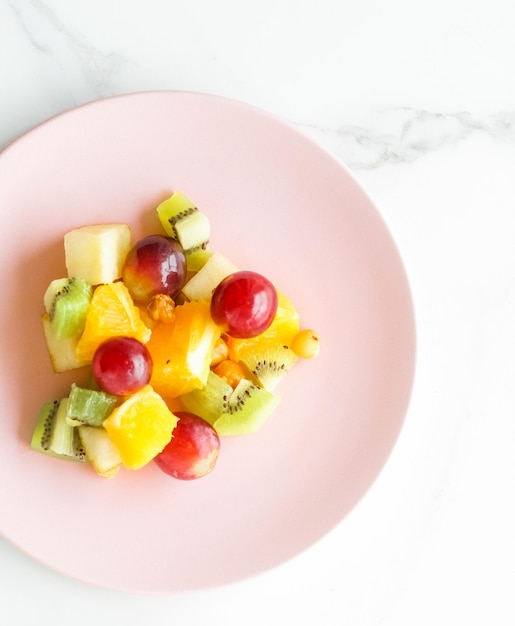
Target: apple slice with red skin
{"type": "Point", "coordinates": [193, 449]}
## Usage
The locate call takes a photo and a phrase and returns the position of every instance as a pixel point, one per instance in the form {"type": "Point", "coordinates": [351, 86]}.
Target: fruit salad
{"type": "Point", "coordinates": [182, 347]}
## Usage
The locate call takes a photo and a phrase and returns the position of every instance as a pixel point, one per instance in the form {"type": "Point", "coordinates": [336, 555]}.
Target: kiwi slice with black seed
{"type": "Point", "coordinates": [247, 409]}
{"type": "Point", "coordinates": [88, 406]}
{"type": "Point", "coordinates": [269, 364]}
{"type": "Point", "coordinates": [182, 220]}
{"type": "Point", "coordinates": [67, 303]}
{"type": "Point", "coordinates": [210, 401]}
{"type": "Point", "coordinates": [53, 436]}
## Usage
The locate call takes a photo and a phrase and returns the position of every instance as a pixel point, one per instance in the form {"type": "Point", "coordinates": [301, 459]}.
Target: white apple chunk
{"type": "Point", "coordinates": [97, 252]}
{"type": "Point", "coordinates": [201, 285]}
{"type": "Point", "coordinates": [100, 450]}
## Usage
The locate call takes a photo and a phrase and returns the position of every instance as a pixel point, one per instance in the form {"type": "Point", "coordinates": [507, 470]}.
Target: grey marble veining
{"type": "Point", "coordinates": [88, 71]}
{"type": "Point", "coordinates": [403, 135]}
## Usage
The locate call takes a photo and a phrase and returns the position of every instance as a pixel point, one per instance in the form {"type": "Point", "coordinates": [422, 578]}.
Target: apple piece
{"type": "Point", "coordinates": [193, 450]}
{"type": "Point", "coordinates": [97, 252]}
{"type": "Point", "coordinates": [201, 285]}
{"type": "Point", "coordinates": [100, 450]}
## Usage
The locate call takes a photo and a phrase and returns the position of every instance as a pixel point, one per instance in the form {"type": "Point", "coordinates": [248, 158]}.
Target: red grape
{"type": "Point", "coordinates": [193, 449]}
{"type": "Point", "coordinates": [244, 304]}
{"type": "Point", "coordinates": [155, 265]}
{"type": "Point", "coordinates": [122, 365]}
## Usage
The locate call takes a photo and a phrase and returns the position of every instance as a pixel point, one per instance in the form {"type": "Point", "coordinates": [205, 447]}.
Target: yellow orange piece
{"type": "Point", "coordinates": [112, 312]}
{"type": "Point", "coordinates": [181, 352]}
{"type": "Point", "coordinates": [140, 427]}
{"type": "Point", "coordinates": [220, 352]}
{"type": "Point", "coordinates": [281, 331]}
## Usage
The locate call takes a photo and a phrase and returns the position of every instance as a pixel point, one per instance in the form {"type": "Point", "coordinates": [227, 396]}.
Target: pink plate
{"type": "Point", "coordinates": [279, 205]}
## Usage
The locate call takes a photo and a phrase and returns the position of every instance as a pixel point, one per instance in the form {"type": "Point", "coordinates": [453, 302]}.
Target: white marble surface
{"type": "Point", "coordinates": [418, 98]}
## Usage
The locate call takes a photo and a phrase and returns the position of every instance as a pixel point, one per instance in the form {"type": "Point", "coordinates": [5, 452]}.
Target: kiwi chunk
{"type": "Point", "coordinates": [210, 401]}
{"type": "Point", "coordinates": [197, 257]}
{"type": "Point", "coordinates": [182, 220]}
{"type": "Point", "coordinates": [193, 230]}
{"type": "Point", "coordinates": [67, 303]}
{"type": "Point", "coordinates": [88, 406]}
{"type": "Point", "coordinates": [269, 364]}
{"type": "Point", "coordinates": [53, 436]}
{"type": "Point", "coordinates": [247, 409]}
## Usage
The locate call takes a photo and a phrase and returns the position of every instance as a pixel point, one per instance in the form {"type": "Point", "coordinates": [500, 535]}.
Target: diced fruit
{"type": "Point", "coordinates": [230, 371]}
{"type": "Point", "coordinates": [112, 312]}
{"type": "Point", "coordinates": [155, 264]}
{"type": "Point", "coordinates": [122, 365]}
{"type": "Point", "coordinates": [184, 347]}
{"type": "Point", "coordinates": [181, 352]}
{"type": "Point", "coordinates": [53, 436]}
{"type": "Point", "coordinates": [88, 406]}
{"type": "Point", "coordinates": [306, 344]}
{"type": "Point", "coordinates": [210, 401]}
{"type": "Point", "coordinates": [244, 304]}
{"type": "Point", "coordinates": [62, 352]}
{"type": "Point", "coordinates": [140, 427]}
{"type": "Point", "coordinates": [202, 284]}
{"type": "Point", "coordinates": [269, 365]}
{"type": "Point", "coordinates": [247, 410]}
{"type": "Point", "coordinates": [193, 450]}
{"type": "Point", "coordinates": [100, 450]}
{"type": "Point", "coordinates": [97, 252]}
{"type": "Point", "coordinates": [281, 331]}
{"type": "Point", "coordinates": [182, 220]}
{"type": "Point", "coordinates": [67, 303]}
{"type": "Point", "coordinates": [196, 258]}
{"type": "Point", "coordinates": [193, 230]}
{"type": "Point", "coordinates": [174, 209]}
{"type": "Point", "coordinates": [220, 352]}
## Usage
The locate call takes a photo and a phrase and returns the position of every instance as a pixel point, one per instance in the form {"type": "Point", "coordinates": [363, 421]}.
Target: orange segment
{"type": "Point", "coordinates": [281, 331]}
{"type": "Point", "coordinates": [140, 427]}
{"type": "Point", "coordinates": [111, 313]}
{"type": "Point", "coordinates": [181, 352]}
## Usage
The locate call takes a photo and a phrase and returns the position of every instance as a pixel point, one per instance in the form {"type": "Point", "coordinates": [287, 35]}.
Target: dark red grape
{"type": "Point", "coordinates": [122, 365]}
{"type": "Point", "coordinates": [155, 265]}
{"type": "Point", "coordinates": [244, 304]}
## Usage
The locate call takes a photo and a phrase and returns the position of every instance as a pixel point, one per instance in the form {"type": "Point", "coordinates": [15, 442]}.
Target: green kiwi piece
{"type": "Point", "coordinates": [247, 410]}
{"type": "Point", "coordinates": [269, 365]}
{"type": "Point", "coordinates": [88, 406]}
{"type": "Point", "coordinates": [42, 434]}
{"type": "Point", "coordinates": [197, 257]}
{"type": "Point", "coordinates": [67, 303]}
{"type": "Point", "coordinates": [182, 220]}
{"type": "Point", "coordinates": [210, 401]}
{"type": "Point", "coordinates": [53, 436]}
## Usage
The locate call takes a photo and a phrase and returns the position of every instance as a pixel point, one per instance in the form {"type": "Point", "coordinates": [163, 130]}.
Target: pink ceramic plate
{"type": "Point", "coordinates": [278, 204]}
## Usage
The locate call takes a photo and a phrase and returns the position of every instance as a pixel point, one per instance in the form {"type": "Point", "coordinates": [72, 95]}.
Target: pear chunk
{"type": "Point", "coordinates": [100, 450]}
{"type": "Point", "coordinates": [201, 285]}
{"type": "Point", "coordinates": [97, 252]}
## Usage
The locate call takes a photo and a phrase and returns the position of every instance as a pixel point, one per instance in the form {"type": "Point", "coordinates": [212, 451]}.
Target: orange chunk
{"type": "Point", "coordinates": [140, 427]}
{"type": "Point", "coordinates": [111, 313]}
{"type": "Point", "coordinates": [182, 351]}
